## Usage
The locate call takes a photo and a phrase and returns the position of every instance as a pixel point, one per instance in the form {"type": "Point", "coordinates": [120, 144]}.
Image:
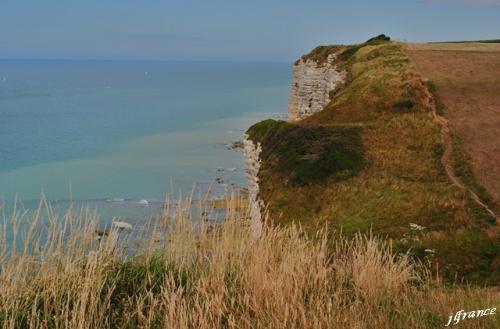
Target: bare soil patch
{"type": "Point", "coordinates": [467, 77]}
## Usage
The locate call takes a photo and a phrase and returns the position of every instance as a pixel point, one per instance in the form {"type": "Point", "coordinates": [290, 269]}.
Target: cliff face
{"type": "Point", "coordinates": [312, 84]}
{"type": "Point", "coordinates": [252, 163]}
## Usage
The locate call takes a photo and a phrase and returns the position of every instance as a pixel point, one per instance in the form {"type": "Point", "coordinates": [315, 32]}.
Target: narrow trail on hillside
{"type": "Point", "coordinates": [447, 162]}
{"type": "Point", "coordinates": [446, 138]}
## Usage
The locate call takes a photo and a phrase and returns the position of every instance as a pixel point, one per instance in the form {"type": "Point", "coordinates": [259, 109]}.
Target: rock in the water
{"type": "Point", "coordinates": [235, 145]}
{"type": "Point", "coordinates": [122, 225]}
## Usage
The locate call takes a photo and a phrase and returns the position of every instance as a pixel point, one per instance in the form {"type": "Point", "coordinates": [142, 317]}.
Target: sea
{"type": "Point", "coordinates": [121, 137]}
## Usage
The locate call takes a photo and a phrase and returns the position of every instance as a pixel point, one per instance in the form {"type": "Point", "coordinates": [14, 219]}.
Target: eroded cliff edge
{"type": "Point", "coordinates": [253, 162]}
{"type": "Point", "coordinates": [366, 156]}
{"type": "Point", "coordinates": [313, 86]}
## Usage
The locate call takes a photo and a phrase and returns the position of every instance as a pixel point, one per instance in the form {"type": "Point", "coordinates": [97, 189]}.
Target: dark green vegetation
{"type": "Point", "coordinates": [384, 112]}
{"type": "Point", "coordinates": [349, 51]}
{"type": "Point", "coordinates": [404, 105]}
{"type": "Point", "coordinates": [306, 154]}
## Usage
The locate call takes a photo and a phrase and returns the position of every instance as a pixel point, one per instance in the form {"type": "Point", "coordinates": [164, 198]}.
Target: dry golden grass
{"type": "Point", "coordinates": [468, 46]}
{"type": "Point", "coordinates": [189, 275]}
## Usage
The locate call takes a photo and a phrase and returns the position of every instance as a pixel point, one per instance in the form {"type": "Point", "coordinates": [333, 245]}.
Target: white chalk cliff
{"type": "Point", "coordinates": [311, 89]}
{"type": "Point", "coordinates": [252, 164]}
{"type": "Point", "coordinates": [311, 86]}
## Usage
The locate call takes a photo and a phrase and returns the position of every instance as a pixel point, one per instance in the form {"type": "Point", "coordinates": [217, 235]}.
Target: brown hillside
{"type": "Point", "coordinates": [467, 77]}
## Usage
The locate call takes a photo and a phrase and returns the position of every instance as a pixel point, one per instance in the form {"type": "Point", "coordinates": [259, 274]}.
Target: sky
{"type": "Point", "coordinates": [221, 30]}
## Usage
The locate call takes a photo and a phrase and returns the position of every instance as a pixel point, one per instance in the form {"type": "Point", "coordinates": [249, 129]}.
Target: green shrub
{"type": "Point", "coordinates": [404, 105]}
{"type": "Point", "coordinates": [379, 38]}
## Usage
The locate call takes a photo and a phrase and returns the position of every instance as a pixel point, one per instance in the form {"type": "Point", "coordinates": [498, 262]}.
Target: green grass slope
{"type": "Point", "coordinates": [371, 161]}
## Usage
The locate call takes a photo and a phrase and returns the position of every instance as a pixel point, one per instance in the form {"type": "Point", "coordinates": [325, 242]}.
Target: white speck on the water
{"type": "Point", "coordinates": [143, 202]}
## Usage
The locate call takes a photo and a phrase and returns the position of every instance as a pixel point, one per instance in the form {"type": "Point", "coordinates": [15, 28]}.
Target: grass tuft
{"type": "Point", "coordinates": [404, 105]}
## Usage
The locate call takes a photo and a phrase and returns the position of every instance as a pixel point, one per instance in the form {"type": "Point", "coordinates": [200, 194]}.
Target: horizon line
{"type": "Point", "coordinates": [143, 60]}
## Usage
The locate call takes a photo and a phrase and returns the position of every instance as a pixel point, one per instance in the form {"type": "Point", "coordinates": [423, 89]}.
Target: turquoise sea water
{"type": "Point", "coordinates": [92, 131]}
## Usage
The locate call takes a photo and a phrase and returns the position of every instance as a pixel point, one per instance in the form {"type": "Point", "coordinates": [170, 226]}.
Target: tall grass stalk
{"type": "Point", "coordinates": [192, 274]}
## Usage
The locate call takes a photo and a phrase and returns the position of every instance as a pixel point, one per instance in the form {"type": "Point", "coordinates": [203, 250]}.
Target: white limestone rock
{"type": "Point", "coordinates": [252, 163]}
{"type": "Point", "coordinates": [311, 86]}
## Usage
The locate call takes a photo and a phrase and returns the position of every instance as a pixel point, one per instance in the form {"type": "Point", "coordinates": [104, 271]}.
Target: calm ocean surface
{"type": "Point", "coordinates": [91, 131]}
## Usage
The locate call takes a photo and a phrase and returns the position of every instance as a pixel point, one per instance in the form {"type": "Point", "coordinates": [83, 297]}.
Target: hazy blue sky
{"type": "Point", "coordinates": [260, 30]}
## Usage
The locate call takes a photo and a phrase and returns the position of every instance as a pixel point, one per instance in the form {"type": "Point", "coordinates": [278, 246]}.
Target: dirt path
{"type": "Point", "coordinates": [447, 164]}
{"type": "Point", "coordinates": [468, 80]}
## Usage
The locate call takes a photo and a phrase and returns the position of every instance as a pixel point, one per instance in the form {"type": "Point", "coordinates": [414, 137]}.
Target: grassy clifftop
{"type": "Point", "coordinates": [372, 161]}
